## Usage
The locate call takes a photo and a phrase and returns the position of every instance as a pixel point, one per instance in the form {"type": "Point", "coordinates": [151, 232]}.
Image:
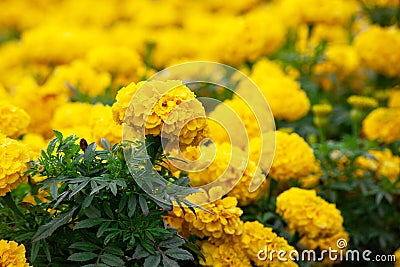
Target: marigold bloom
{"type": "Point", "coordinates": [383, 163]}
{"type": "Point", "coordinates": [309, 214]}
{"type": "Point", "coordinates": [229, 167]}
{"type": "Point", "coordinates": [397, 255]}
{"type": "Point", "coordinates": [283, 93]}
{"type": "Point", "coordinates": [14, 156]}
{"type": "Point", "coordinates": [12, 254]}
{"type": "Point", "coordinates": [322, 110]}
{"type": "Point", "coordinates": [382, 124]}
{"type": "Point", "coordinates": [169, 106]}
{"type": "Point", "coordinates": [14, 121]}
{"type": "Point", "coordinates": [293, 159]}
{"type": "Point", "coordinates": [256, 237]}
{"type": "Point", "coordinates": [378, 49]}
{"type": "Point", "coordinates": [394, 99]}
{"type": "Point", "coordinates": [224, 220]}
{"type": "Point", "coordinates": [226, 254]}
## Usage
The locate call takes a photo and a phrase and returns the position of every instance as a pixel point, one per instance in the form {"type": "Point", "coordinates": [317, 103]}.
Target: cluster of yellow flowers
{"type": "Point", "coordinates": [14, 156]}
{"type": "Point", "coordinates": [382, 163]}
{"type": "Point", "coordinates": [316, 221]}
{"type": "Point", "coordinates": [166, 108]}
{"type": "Point", "coordinates": [226, 240]}
{"type": "Point", "coordinates": [382, 124]}
{"type": "Point", "coordinates": [12, 254]}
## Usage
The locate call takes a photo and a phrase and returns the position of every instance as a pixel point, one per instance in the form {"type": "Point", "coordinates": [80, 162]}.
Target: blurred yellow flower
{"type": "Point", "coordinates": [12, 254]}
{"type": "Point", "coordinates": [362, 102]}
{"type": "Point", "coordinates": [309, 214]}
{"type": "Point", "coordinates": [14, 121]}
{"type": "Point", "coordinates": [14, 157]}
{"type": "Point", "coordinates": [225, 254]}
{"type": "Point", "coordinates": [382, 124]}
{"type": "Point", "coordinates": [378, 49]}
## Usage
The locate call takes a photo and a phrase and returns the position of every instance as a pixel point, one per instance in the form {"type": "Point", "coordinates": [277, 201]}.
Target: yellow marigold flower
{"type": "Point", "coordinates": [362, 102]}
{"type": "Point", "coordinates": [12, 254]}
{"type": "Point", "coordinates": [40, 102]}
{"type": "Point", "coordinates": [332, 242]}
{"type": "Point", "coordinates": [256, 237]}
{"type": "Point", "coordinates": [322, 109]}
{"type": "Point", "coordinates": [42, 196]}
{"type": "Point", "coordinates": [14, 156]}
{"type": "Point", "coordinates": [284, 95]}
{"type": "Point", "coordinates": [110, 57]}
{"type": "Point", "coordinates": [397, 255]}
{"type": "Point", "coordinates": [378, 49]}
{"type": "Point", "coordinates": [81, 76]}
{"type": "Point", "coordinates": [222, 222]}
{"type": "Point", "coordinates": [309, 214]}
{"type": "Point", "coordinates": [36, 142]}
{"type": "Point", "coordinates": [293, 159]}
{"type": "Point", "coordinates": [226, 254]}
{"type": "Point", "coordinates": [383, 163]}
{"type": "Point", "coordinates": [123, 100]}
{"type": "Point", "coordinates": [14, 121]}
{"type": "Point", "coordinates": [167, 105]}
{"type": "Point", "coordinates": [96, 124]}
{"type": "Point", "coordinates": [394, 99]}
{"type": "Point", "coordinates": [382, 124]}
{"type": "Point", "coordinates": [229, 167]}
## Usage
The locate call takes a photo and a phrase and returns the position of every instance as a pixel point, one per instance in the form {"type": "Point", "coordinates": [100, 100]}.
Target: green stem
{"type": "Point", "coordinates": [9, 201]}
{"type": "Point", "coordinates": [272, 185]}
{"type": "Point", "coordinates": [294, 239]}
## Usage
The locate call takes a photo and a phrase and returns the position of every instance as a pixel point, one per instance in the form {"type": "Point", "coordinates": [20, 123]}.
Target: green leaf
{"type": "Point", "coordinates": [179, 254]}
{"type": "Point", "coordinates": [167, 262]}
{"type": "Point", "coordinates": [92, 212]}
{"type": "Point", "coordinates": [102, 229]}
{"type": "Point", "coordinates": [112, 260]}
{"type": "Point", "coordinates": [172, 243]}
{"type": "Point", "coordinates": [78, 188]}
{"type": "Point", "coordinates": [110, 236]}
{"type": "Point", "coordinates": [49, 228]}
{"type": "Point", "coordinates": [89, 223]}
{"type": "Point", "coordinates": [132, 203]}
{"type": "Point", "coordinates": [34, 250]}
{"type": "Point", "coordinates": [82, 256]}
{"type": "Point", "coordinates": [114, 249]}
{"type": "Point", "coordinates": [58, 134]}
{"type": "Point", "coordinates": [46, 250]}
{"type": "Point", "coordinates": [143, 205]}
{"type": "Point", "coordinates": [85, 246]}
{"type": "Point", "coordinates": [88, 200]}
{"type": "Point", "coordinates": [122, 203]}
{"type": "Point", "coordinates": [107, 210]}
{"type": "Point", "coordinates": [140, 252]}
{"type": "Point", "coordinates": [54, 190]}
{"type": "Point", "coordinates": [105, 144]}
{"type": "Point", "coordinates": [152, 260]}
{"type": "Point", "coordinates": [113, 188]}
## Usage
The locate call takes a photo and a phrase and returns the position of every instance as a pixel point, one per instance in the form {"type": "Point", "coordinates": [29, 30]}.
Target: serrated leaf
{"type": "Point", "coordinates": [143, 205]}
{"type": "Point", "coordinates": [49, 228]}
{"type": "Point", "coordinates": [87, 201]}
{"type": "Point", "coordinates": [152, 260]}
{"type": "Point", "coordinates": [46, 250]}
{"type": "Point", "coordinates": [112, 260]}
{"type": "Point", "coordinates": [172, 243]}
{"type": "Point", "coordinates": [78, 188]}
{"type": "Point", "coordinates": [85, 246]}
{"type": "Point", "coordinates": [58, 134]}
{"type": "Point", "coordinates": [110, 236]}
{"type": "Point", "coordinates": [34, 250]}
{"type": "Point", "coordinates": [82, 256]}
{"type": "Point", "coordinates": [132, 203]}
{"type": "Point", "coordinates": [102, 229]}
{"type": "Point", "coordinates": [112, 249]}
{"type": "Point", "coordinates": [122, 203]}
{"type": "Point", "coordinates": [179, 254]}
{"type": "Point", "coordinates": [105, 144]}
{"type": "Point", "coordinates": [54, 190]}
{"type": "Point", "coordinates": [92, 212]}
{"type": "Point", "coordinates": [113, 188]}
{"type": "Point", "coordinates": [60, 198]}
{"type": "Point", "coordinates": [107, 210]}
{"type": "Point", "coordinates": [140, 252]}
{"type": "Point", "coordinates": [89, 223]}
{"type": "Point", "coordinates": [167, 262]}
